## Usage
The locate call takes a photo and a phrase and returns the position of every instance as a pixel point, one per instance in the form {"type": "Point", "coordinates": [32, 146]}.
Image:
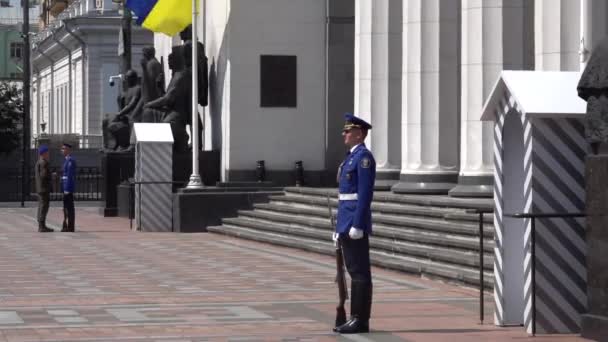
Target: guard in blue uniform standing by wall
{"type": "Point", "coordinates": [68, 185]}
{"type": "Point", "coordinates": [356, 177]}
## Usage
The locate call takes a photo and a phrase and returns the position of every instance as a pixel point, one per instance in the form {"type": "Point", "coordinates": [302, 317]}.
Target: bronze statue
{"type": "Point", "coordinates": [153, 78]}
{"type": "Point", "coordinates": [593, 88]}
{"type": "Point", "coordinates": [203, 80]}
{"type": "Point", "coordinates": [117, 131]}
{"type": "Point", "coordinates": [174, 106]}
{"type": "Point", "coordinates": [203, 72]}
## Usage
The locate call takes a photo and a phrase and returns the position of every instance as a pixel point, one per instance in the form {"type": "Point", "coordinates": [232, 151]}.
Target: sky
{"type": "Point", "coordinates": [13, 14]}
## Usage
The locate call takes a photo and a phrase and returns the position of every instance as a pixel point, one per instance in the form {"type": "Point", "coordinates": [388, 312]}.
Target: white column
{"type": "Point", "coordinates": [363, 58]}
{"type": "Point", "coordinates": [378, 82]}
{"type": "Point", "coordinates": [493, 39]}
{"type": "Point", "coordinates": [557, 34]}
{"type": "Point", "coordinates": [429, 162]}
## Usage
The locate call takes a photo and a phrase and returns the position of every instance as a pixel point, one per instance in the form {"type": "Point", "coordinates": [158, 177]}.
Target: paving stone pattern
{"type": "Point", "coordinates": [107, 283]}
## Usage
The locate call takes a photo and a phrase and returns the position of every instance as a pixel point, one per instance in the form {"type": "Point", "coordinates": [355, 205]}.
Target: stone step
{"type": "Point", "coordinates": [446, 213]}
{"type": "Point", "coordinates": [387, 196]}
{"type": "Point", "coordinates": [399, 247]}
{"type": "Point", "coordinates": [429, 224]}
{"type": "Point", "coordinates": [320, 202]}
{"type": "Point", "coordinates": [420, 266]}
{"type": "Point", "coordinates": [224, 189]}
{"type": "Point", "coordinates": [425, 234]}
{"type": "Point", "coordinates": [471, 243]}
{"type": "Point", "coordinates": [244, 184]}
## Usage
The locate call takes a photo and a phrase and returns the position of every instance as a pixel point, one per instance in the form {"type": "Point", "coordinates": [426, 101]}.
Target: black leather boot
{"type": "Point", "coordinates": [360, 309]}
{"type": "Point", "coordinates": [64, 225]}
{"type": "Point", "coordinates": [42, 228]}
{"type": "Point", "coordinates": [354, 309]}
{"type": "Point", "coordinates": [71, 224]}
{"type": "Point", "coordinates": [68, 222]}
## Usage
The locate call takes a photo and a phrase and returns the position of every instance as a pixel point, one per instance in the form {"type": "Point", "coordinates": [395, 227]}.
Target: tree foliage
{"type": "Point", "coordinates": [11, 117]}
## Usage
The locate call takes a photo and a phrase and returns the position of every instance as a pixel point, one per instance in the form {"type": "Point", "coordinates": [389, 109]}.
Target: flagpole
{"type": "Point", "coordinates": [195, 177]}
{"type": "Point", "coordinates": [206, 76]}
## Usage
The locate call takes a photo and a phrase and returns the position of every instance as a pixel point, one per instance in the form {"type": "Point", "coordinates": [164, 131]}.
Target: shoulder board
{"type": "Point", "coordinates": [360, 149]}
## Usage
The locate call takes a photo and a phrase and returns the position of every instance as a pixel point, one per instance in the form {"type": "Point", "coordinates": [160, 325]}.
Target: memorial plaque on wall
{"type": "Point", "coordinates": [278, 78]}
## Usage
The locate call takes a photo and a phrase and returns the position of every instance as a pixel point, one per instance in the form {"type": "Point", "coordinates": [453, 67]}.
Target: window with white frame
{"type": "Point", "coordinates": [16, 50]}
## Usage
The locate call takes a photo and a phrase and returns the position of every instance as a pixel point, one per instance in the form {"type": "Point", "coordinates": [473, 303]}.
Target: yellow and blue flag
{"type": "Point", "coordinates": [166, 16]}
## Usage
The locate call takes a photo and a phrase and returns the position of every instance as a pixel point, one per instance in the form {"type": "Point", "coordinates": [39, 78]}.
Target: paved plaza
{"type": "Point", "coordinates": [108, 283]}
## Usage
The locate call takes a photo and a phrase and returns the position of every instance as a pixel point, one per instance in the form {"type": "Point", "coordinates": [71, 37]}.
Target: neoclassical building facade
{"type": "Point", "coordinates": [424, 70]}
{"type": "Point", "coordinates": [418, 70]}
{"type": "Point", "coordinates": [73, 58]}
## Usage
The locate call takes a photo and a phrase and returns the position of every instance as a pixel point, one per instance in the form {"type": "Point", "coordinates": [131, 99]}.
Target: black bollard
{"type": "Point", "coordinates": [299, 173]}
{"type": "Point", "coordinates": [260, 171]}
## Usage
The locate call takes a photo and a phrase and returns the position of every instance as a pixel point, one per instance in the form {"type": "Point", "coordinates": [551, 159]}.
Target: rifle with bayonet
{"type": "Point", "coordinates": [340, 274]}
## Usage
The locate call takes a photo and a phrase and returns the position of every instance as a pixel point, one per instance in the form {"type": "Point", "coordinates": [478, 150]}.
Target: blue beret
{"type": "Point", "coordinates": [43, 149]}
{"type": "Point", "coordinates": [67, 145]}
{"type": "Point", "coordinates": [351, 121]}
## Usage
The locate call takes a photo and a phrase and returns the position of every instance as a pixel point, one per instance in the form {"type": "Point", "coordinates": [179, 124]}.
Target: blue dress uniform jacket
{"type": "Point", "coordinates": [68, 179]}
{"type": "Point", "coordinates": [357, 175]}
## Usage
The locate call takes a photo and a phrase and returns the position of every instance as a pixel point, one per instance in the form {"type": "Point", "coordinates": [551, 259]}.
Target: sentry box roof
{"type": "Point", "coordinates": [536, 93]}
{"type": "Point", "coordinates": [153, 132]}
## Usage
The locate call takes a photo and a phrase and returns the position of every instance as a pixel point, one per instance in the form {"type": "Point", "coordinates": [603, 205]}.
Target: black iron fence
{"type": "Point", "coordinates": [88, 184]}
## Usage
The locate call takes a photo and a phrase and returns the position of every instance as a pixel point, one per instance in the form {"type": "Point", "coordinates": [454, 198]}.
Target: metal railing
{"type": "Point", "coordinates": [480, 212]}
{"type": "Point", "coordinates": [533, 217]}
{"type": "Point", "coordinates": [88, 184]}
{"type": "Point", "coordinates": [90, 140]}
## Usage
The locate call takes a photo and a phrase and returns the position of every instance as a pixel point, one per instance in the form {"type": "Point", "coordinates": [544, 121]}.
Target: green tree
{"type": "Point", "coordinates": [11, 117]}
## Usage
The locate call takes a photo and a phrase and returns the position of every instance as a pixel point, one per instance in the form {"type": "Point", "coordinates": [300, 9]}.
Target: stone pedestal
{"type": "Point", "coordinates": [43, 139]}
{"type": "Point", "coordinates": [126, 200]}
{"type": "Point", "coordinates": [115, 168]}
{"type": "Point", "coordinates": [195, 210]}
{"type": "Point", "coordinates": [594, 324]}
{"type": "Point", "coordinates": [209, 167]}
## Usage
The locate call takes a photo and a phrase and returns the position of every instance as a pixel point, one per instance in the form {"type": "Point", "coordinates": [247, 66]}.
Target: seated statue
{"type": "Point", "coordinates": [174, 106]}
{"type": "Point", "coordinates": [117, 131]}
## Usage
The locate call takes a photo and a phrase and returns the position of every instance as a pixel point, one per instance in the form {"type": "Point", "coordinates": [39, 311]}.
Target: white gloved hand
{"type": "Point", "coordinates": [335, 237]}
{"type": "Point", "coordinates": [355, 233]}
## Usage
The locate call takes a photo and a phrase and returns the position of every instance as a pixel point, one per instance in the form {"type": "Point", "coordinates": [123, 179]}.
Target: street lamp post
{"type": "Point", "coordinates": [125, 49]}
{"type": "Point", "coordinates": [195, 178]}
{"type": "Point", "coordinates": [25, 160]}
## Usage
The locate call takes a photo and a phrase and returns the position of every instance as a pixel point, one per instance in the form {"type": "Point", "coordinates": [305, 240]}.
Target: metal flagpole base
{"type": "Point", "coordinates": [195, 182]}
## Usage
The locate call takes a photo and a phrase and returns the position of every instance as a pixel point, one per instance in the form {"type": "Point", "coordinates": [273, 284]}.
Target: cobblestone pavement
{"type": "Point", "coordinates": [107, 283]}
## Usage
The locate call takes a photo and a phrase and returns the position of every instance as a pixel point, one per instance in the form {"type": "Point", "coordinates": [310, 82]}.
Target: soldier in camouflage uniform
{"type": "Point", "coordinates": [43, 187]}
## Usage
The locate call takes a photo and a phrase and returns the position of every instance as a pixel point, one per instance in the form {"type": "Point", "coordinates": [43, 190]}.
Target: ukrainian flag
{"type": "Point", "coordinates": [167, 16]}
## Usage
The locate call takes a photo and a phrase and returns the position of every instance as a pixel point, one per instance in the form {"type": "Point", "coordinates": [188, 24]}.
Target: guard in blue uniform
{"type": "Point", "coordinates": [356, 177]}
{"type": "Point", "coordinates": [68, 185]}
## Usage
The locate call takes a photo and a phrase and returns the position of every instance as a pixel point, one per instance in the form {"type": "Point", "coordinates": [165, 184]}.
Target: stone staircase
{"type": "Point", "coordinates": [428, 235]}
